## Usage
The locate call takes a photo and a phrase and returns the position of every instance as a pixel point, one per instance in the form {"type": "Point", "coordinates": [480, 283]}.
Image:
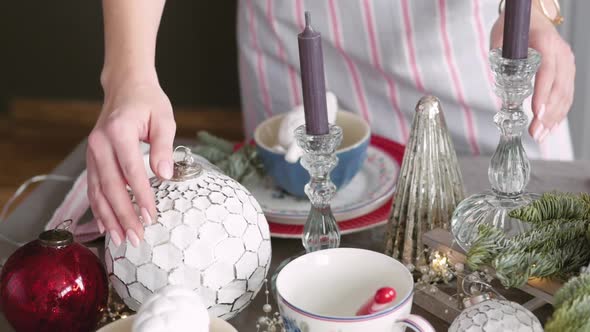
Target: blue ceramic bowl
{"type": "Point", "coordinates": [292, 177]}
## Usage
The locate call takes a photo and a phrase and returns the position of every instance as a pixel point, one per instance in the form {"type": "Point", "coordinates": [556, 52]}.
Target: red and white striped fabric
{"type": "Point", "coordinates": [380, 57]}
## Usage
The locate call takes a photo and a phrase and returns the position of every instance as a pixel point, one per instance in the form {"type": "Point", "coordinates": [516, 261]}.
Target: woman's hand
{"type": "Point", "coordinates": [133, 111]}
{"type": "Point", "coordinates": [554, 82]}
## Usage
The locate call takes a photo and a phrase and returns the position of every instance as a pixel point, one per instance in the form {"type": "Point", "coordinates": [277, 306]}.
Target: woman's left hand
{"type": "Point", "coordinates": [554, 82]}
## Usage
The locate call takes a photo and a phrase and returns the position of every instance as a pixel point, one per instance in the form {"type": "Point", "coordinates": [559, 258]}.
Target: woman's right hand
{"type": "Point", "coordinates": [133, 111]}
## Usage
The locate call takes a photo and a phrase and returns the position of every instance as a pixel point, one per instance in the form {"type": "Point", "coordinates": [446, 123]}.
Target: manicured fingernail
{"type": "Point", "coordinates": [115, 238]}
{"type": "Point", "coordinates": [165, 169]}
{"type": "Point", "coordinates": [100, 226]}
{"type": "Point", "coordinates": [146, 216]}
{"type": "Point", "coordinates": [538, 132]}
{"type": "Point", "coordinates": [541, 112]}
{"type": "Point", "coordinates": [132, 237]}
{"type": "Point", "coordinates": [543, 135]}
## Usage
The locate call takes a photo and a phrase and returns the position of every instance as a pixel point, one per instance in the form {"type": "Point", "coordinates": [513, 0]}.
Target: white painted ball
{"type": "Point", "coordinates": [210, 236]}
{"type": "Point", "coordinates": [172, 308]}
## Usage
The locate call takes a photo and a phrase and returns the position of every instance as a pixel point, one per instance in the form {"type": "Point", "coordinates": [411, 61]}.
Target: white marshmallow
{"type": "Point", "coordinates": [296, 118]}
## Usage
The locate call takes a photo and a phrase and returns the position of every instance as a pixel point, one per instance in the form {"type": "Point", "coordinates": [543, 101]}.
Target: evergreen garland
{"type": "Point", "coordinates": [242, 165]}
{"type": "Point", "coordinates": [556, 246]}
{"type": "Point", "coordinates": [572, 305]}
{"type": "Point", "coordinates": [573, 288]}
{"type": "Point", "coordinates": [555, 206]}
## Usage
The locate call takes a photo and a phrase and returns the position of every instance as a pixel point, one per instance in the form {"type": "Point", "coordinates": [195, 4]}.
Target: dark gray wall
{"type": "Point", "coordinates": [54, 49]}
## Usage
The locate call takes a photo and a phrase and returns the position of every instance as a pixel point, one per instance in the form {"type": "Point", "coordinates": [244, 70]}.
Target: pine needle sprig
{"type": "Point", "coordinates": [242, 165]}
{"type": "Point", "coordinates": [555, 248]}
{"type": "Point", "coordinates": [571, 316]}
{"type": "Point", "coordinates": [488, 243]}
{"type": "Point", "coordinates": [574, 255]}
{"type": "Point", "coordinates": [515, 267]}
{"type": "Point", "coordinates": [575, 287]}
{"type": "Point", "coordinates": [550, 235]}
{"type": "Point", "coordinates": [207, 139]}
{"type": "Point", "coordinates": [554, 205]}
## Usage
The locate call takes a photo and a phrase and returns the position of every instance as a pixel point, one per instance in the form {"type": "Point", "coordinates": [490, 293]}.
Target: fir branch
{"type": "Point", "coordinates": [515, 267]}
{"type": "Point", "coordinates": [488, 243]}
{"type": "Point", "coordinates": [207, 139]}
{"type": "Point", "coordinates": [549, 235]}
{"type": "Point", "coordinates": [554, 206]}
{"type": "Point", "coordinates": [512, 269]}
{"type": "Point", "coordinates": [210, 153]}
{"type": "Point", "coordinates": [575, 287]}
{"type": "Point", "coordinates": [575, 255]}
{"type": "Point", "coordinates": [242, 165]}
{"type": "Point", "coordinates": [571, 316]}
{"type": "Point", "coordinates": [553, 249]}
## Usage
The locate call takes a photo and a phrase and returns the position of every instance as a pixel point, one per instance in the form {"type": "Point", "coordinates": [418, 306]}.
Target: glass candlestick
{"type": "Point", "coordinates": [509, 168]}
{"type": "Point", "coordinates": [320, 230]}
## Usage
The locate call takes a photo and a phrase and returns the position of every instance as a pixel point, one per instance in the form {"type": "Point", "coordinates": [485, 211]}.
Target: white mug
{"type": "Point", "coordinates": [322, 291]}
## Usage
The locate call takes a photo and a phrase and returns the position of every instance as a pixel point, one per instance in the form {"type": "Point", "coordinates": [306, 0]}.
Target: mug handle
{"type": "Point", "coordinates": [417, 323]}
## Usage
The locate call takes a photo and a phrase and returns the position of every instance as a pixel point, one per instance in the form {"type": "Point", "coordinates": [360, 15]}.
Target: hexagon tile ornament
{"type": "Point", "coordinates": [210, 236]}
{"type": "Point", "coordinates": [485, 313]}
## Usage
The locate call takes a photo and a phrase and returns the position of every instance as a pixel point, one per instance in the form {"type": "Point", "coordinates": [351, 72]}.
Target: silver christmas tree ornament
{"type": "Point", "coordinates": [429, 185]}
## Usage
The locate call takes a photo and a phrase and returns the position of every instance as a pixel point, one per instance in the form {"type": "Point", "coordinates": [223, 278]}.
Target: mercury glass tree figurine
{"type": "Point", "coordinates": [429, 185]}
{"type": "Point", "coordinates": [509, 168]}
{"type": "Point", "coordinates": [320, 230]}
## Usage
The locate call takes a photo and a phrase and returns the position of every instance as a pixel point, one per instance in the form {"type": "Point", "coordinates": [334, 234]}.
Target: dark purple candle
{"type": "Point", "coordinates": [517, 17]}
{"type": "Point", "coordinates": [312, 80]}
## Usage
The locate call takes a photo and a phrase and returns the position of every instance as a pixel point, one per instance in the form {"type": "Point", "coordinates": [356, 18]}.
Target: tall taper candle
{"type": "Point", "coordinates": [312, 80]}
{"type": "Point", "coordinates": [517, 17]}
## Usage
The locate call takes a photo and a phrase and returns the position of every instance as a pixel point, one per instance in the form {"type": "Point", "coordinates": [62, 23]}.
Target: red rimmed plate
{"type": "Point", "coordinates": [366, 221]}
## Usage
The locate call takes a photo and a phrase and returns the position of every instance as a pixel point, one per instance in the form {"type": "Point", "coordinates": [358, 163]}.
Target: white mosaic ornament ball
{"type": "Point", "coordinates": [496, 316]}
{"type": "Point", "coordinates": [210, 236]}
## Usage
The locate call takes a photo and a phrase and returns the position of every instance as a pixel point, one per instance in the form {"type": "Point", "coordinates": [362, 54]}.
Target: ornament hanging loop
{"type": "Point", "coordinates": [188, 156]}
{"type": "Point", "coordinates": [58, 237]}
{"type": "Point", "coordinates": [475, 288]}
{"type": "Point", "coordinates": [187, 168]}
{"type": "Point", "coordinates": [65, 225]}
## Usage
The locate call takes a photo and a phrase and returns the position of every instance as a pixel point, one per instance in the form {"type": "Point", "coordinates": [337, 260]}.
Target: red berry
{"type": "Point", "coordinates": [385, 295]}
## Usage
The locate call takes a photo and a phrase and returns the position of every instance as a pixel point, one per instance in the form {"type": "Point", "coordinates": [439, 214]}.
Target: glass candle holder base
{"type": "Point", "coordinates": [320, 230]}
{"type": "Point", "coordinates": [509, 169]}
{"type": "Point", "coordinates": [488, 208]}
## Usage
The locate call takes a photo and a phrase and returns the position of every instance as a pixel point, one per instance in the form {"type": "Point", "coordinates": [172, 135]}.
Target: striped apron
{"type": "Point", "coordinates": [380, 57]}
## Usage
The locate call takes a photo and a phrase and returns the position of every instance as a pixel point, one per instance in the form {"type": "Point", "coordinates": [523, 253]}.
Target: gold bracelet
{"type": "Point", "coordinates": [558, 19]}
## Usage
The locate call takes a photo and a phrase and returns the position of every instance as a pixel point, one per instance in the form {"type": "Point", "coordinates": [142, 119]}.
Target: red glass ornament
{"type": "Point", "coordinates": [53, 284]}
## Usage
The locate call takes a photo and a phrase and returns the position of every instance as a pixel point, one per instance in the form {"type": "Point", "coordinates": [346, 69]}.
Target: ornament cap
{"type": "Point", "coordinates": [477, 299]}
{"type": "Point", "coordinates": [187, 168]}
{"type": "Point", "coordinates": [56, 238]}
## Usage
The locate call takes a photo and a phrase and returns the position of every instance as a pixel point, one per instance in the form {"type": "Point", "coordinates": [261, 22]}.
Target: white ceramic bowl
{"type": "Point", "coordinates": [124, 325]}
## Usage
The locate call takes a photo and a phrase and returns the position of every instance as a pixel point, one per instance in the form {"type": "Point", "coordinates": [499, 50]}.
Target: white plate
{"type": "Point", "coordinates": [369, 189]}
{"type": "Point", "coordinates": [124, 325]}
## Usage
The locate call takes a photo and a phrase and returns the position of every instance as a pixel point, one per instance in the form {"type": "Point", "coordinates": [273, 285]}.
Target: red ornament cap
{"type": "Point", "coordinates": [56, 238]}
